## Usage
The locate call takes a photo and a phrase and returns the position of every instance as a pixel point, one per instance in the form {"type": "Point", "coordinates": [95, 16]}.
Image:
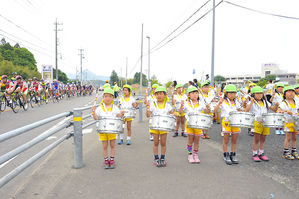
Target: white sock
{"type": "Point", "coordinates": [121, 136]}
{"type": "Point", "coordinates": [128, 138]}
{"type": "Point", "coordinates": [254, 152]}
{"type": "Point", "coordinates": [261, 152]}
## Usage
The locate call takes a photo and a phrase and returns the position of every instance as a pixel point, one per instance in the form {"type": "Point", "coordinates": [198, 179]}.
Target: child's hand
{"type": "Point", "coordinates": [221, 100]}
{"type": "Point", "coordinates": [122, 113]}
{"type": "Point", "coordinates": [252, 100]}
{"type": "Point", "coordinates": [276, 104]}
{"type": "Point", "coordinates": [93, 108]}
{"type": "Point", "coordinates": [289, 112]}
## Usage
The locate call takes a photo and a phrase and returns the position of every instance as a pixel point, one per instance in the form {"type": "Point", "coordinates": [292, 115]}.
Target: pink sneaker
{"type": "Point", "coordinates": [263, 157]}
{"type": "Point", "coordinates": [190, 159]}
{"type": "Point", "coordinates": [256, 158]}
{"type": "Point", "coordinates": [196, 160]}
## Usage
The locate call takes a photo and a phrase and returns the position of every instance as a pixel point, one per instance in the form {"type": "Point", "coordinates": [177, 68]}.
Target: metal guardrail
{"type": "Point", "coordinates": [77, 123]}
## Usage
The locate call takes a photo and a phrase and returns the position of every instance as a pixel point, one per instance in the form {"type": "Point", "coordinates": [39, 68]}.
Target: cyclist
{"type": "Point", "coordinates": [44, 88]}
{"type": "Point", "coordinates": [14, 75]}
{"type": "Point", "coordinates": [55, 86]}
{"type": "Point", "coordinates": [20, 86]}
{"type": "Point", "coordinates": [37, 87]}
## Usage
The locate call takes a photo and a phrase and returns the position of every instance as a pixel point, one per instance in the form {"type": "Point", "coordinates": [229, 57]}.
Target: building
{"type": "Point", "coordinates": [240, 79]}
{"type": "Point", "coordinates": [266, 69]}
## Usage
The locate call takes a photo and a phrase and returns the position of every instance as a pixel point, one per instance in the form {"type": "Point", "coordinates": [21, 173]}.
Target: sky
{"type": "Point", "coordinates": [110, 31]}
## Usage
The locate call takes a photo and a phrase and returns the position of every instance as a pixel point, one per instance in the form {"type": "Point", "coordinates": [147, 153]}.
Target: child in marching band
{"type": "Point", "coordinates": [290, 108]}
{"type": "Point", "coordinates": [259, 105]}
{"type": "Point", "coordinates": [207, 98]}
{"type": "Point", "coordinates": [159, 106]}
{"type": "Point", "coordinates": [296, 87]}
{"type": "Point", "coordinates": [193, 105]}
{"type": "Point", "coordinates": [276, 99]}
{"type": "Point", "coordinates": [127, 102]}
{"type": "Point", "coordinates": [176, 102]}
{"type": "Point", "coordinates": [107, 108]}
{"type": "Point", "coordinates": [227, 105]}
{"type": "Point", "coordinates": [150, 99]}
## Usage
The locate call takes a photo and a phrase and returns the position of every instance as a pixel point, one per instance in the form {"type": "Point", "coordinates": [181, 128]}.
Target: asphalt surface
{"type": "Point", "coordinates": [136, 177]}
{"type": "Point", "coordinates": [10, 121]}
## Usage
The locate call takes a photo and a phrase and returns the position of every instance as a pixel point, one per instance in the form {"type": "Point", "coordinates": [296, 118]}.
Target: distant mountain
{"type": "Point", "coordinates": [88, 75]}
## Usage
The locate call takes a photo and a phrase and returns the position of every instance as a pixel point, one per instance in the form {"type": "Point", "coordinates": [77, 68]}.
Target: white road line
{"type": "Point", "coordinates": [5, 163]}
{"type": "Point", "coordinates": [86, 131]}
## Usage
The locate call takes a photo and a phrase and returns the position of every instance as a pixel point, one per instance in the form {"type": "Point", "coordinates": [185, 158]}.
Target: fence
{"type": "Point", "coordinates": [76, 121]}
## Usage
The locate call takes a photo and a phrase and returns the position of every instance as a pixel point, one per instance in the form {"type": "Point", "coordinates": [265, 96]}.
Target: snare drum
{"type": "Point", "coordinates": [163, 122]}
{"type": "Point", "coordinates": [129, 113]}
{"type": "Point", "coordinates": [110, 125]}
{"type": "Point", "coordinates": [296, 121]}
{"type": "Point", "coordinates": [241, 119]}
{"type": "Point", "coordinates": [273, 120]}
{"type": "Point", "coordinates": [199, 121]}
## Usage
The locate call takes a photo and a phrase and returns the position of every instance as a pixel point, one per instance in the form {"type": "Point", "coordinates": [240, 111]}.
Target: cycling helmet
{"type": "Point", "coordinates": [34, 78]}
{"type": "Point", "coordinates": [18, 77]}
{"type": "Point", "coordinates": [4, 77]}
{"type": "Point", "coordinates": [14, 73]}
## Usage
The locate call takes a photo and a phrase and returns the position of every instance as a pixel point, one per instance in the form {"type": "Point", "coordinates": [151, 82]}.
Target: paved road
{"type": "Point", "coordinates": [136, 177]}
{"type": "Point", "coordinates": [10, 121]}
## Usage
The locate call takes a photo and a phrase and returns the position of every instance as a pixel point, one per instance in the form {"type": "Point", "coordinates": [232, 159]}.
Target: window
{"type": "Point", "coordinates": [233, 78]}
{"type": "Point", "coordinates": [240, 77]}
{"type": "Point", "coordinates": [248, 77]}
{"type": "Point", "coordinates": [267, 72]}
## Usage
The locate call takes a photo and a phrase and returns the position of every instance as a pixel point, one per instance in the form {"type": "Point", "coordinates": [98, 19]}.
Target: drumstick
{"type": "Point", "coordinates": [95, 100]}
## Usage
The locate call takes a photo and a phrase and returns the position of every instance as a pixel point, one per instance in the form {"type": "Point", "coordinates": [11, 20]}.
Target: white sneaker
{"type": "Point", "coordinates": [222, 134]}
{"type": "Point", "coordinates": [151, 138]}
{"type": "Point", "coordinates": [26, 106]}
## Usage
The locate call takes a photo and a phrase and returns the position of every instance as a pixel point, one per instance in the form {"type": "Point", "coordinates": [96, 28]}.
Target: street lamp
{"type": "Point", "coordinates": [149, 52]}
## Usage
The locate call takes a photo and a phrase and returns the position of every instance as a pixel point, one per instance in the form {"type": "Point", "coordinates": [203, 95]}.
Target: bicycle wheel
{"type": "Point", "coordinates": [15, 106]}
{"type": "Point", "coordinates": [2, 103]}
{"type": "Point", "coordinates": [22, 103]}
{"type": "Point", "coordinates": [42, 97]}
{"type": "Point", "coordinates": [38, 102]}
{"type": "Point", "coordinates": [31, 101]}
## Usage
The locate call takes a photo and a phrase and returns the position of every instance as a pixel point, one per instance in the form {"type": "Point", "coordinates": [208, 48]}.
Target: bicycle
{"type": "Point", "coordinates": [43, 98]}
{"type": "Point", "coordinates": [18, 100]}
{"type": "Point", "coordinates": [34, 99]}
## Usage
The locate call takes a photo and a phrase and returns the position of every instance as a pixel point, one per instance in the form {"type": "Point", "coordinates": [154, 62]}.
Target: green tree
{"type": "Point", "coordinates": [61, 76]}
{"type": "Point", "coordinates": [219, 79]}
{"type": "Point", "coordinates": [270, 77]}
{"type": "Point", "coordinates": [136, 79]}
{"type": "Point", "coordinates": [113, 77]}
{"type": "Point", "coordinates": [262, 82]}
{"type": "Point", "coordinates": [168, 84]}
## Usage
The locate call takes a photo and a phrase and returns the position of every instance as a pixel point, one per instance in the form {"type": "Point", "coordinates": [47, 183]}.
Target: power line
{"type": "Point", "coordinates": [30, 48]}
{"type": "Point", "coordinates": [186, 28]}
{"type": "Point", "coordinates": [261, 12]}
{"type": "Point", "coordinates": [181, 24]}
{"type": "Point", "coordinates": [25, 41]}
{"type": "Point", "coordinates": [10, 21]}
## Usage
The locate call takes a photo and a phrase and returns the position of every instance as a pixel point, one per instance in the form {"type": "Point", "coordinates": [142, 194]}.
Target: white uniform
{"type": "Point", "coordinates": [101, 111]}
{"type": "Point", "coordinates": [277, 98]}
{"type": "Point", "coordinates": [227, 107]}
{"type": "Point", "coordinates": [127, 104]}
{"type": "Point", "coordinates": [178, 100]}
{"type": "Point", "coordinates": [155, 110]}
{"type": "Point", "coordinates": [259, 110]}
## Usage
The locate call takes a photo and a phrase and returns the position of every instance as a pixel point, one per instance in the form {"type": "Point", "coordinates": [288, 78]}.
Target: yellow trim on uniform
{"type": "Point", "coordinates": [77, 119]}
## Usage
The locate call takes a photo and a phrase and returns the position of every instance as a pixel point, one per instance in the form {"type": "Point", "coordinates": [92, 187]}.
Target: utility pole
{"type": "Point", "coordinates": [56, 44]}
{"type": "Point", "coordinates": [141, 57]}
{"type": "Point", "coordinates": [213, 45]}
{"type": "Point", "coordinates": [126, 70]}
{"type": "Point", "coordinates": [140, 84]}
{"type": "Point", "coordinates": [81, 57]}
{"type": "Point", "coordinates": [149, 60]}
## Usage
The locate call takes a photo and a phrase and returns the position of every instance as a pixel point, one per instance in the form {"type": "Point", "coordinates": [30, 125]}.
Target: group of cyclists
{"type": "Point", "coordinates": [41, 90]}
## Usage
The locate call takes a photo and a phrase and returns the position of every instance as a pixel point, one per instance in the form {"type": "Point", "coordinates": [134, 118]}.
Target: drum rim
{"type": "Point", "coordinates": [201, 114]}
{"type": "Point", "coordinates": [241, 112]}
{"type": "Point", "coordinates": [272, 114]}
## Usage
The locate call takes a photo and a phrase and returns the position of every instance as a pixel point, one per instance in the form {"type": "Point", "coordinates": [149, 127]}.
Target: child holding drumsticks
{"type": "Point", "coordinates": [290, 108]}
{"type": "Point", "coordinates": [107, 108]}
{"type": "Point", "coordinates": [159, 107]}
{"type": "Point", "coordinates": [259, 106]}
{"type": "Point", "coordinates": [127, 102]}
{"type": "Point", "coordinates": [193, 105]}
{"type": "Point", "coordinates": [227, 105]}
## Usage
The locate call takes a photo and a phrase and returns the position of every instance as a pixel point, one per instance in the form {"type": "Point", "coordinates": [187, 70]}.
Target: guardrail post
{"type": "Point", "coordinates": [140, 112]}
{"type": "Point", "coordinates": [78, 156]}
